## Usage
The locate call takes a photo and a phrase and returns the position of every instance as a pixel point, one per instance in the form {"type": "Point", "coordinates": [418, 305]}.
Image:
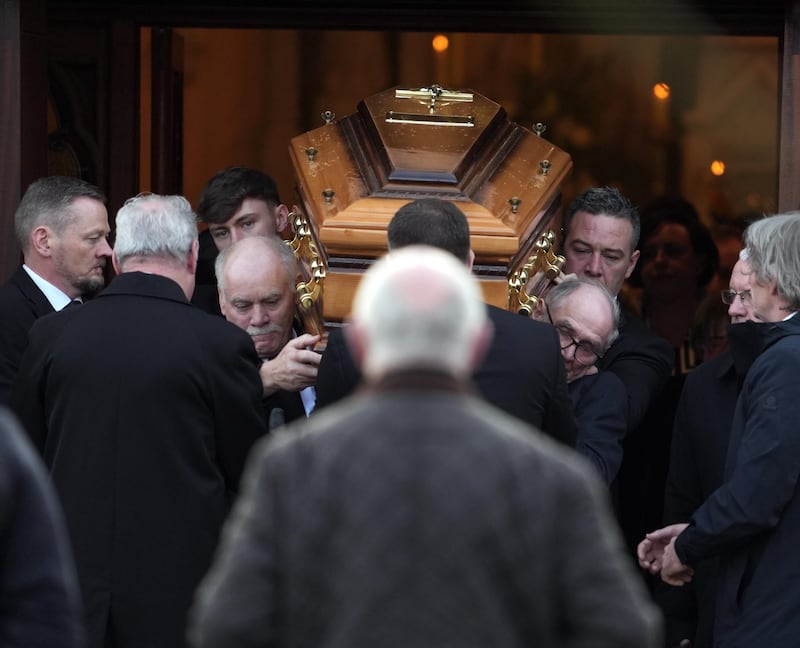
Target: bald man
{"type": "Point", "coordinates": [586, 318]}
{"type": "Point", "coordinates": [413, 513]}
{"type": "Point", "coordinates": [256, 278]}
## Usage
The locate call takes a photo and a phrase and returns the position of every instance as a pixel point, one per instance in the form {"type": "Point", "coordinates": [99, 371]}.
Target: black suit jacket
{"type": "Point", "coordinates": [21, 304]}
{"type": "Point", "coordinates": [283, 407]}
{"type": "Point", "coordinates": [643, 362]}
{"type": "Point", "coordinates": [601, 409]}
{"type": "Point", "coordinates": [700, 438]}
{"type": "Point", "coordinates": [523, 373]}
{"type": "Point", "coordinates": [144, 408]}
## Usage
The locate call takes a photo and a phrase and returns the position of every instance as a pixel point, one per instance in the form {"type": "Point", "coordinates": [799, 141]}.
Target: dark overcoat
{"type": "Point", "coordinates": [21, 304]}
{"type": "Point", "coordinates": [144, 409]}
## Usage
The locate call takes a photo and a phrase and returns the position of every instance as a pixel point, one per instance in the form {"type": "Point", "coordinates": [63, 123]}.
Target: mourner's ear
{"type": "Point", "coordinates": [282, 218]}
{"type": "Point", "coordinates": [194, 253]}
{"type": "Point", "coordinates": [41, 240]}
{"type": "Point", "coordinates": [115, 262]}
{"type": "Point", "coordinates": [470, 260]}
{"type": "Point", "coordinates": [538, 312]}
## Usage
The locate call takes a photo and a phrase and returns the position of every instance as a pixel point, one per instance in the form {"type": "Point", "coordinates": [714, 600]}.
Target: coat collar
{"type": "Point", "coordinates": [419, 380]}
{"type": "Point", "coordinates": [145, 284]}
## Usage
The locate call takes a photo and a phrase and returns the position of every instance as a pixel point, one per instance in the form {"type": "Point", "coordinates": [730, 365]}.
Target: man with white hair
{"type": "Point", "coordinates": [415, 514]}
{"type": "Point", "coordinates": [144, 409]}
{"type": "Point", "coordinates": [256, 279]}
{"type": "Point", "coordinates": [752, 521]}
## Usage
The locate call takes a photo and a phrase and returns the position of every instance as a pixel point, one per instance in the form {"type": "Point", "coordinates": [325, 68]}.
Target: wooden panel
{"type": "Point", "coordinates": [789, 156]}
{"type": "Point", "coordinates": [542, 16]}
{"type": "Point", "coordinates": [167, 112]}
{"type": "Point", "coordinates": [23, 114]}
{"type": "Point", "coordinates": [10, 82]}
{"type": "Point", "coordinates": [340, 289]}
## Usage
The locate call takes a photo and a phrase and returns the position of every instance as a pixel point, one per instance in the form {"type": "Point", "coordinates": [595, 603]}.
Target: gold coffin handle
{"type": "Point", "coordinates": [309, 292]}
{"type": "Point", "coordinates": [528, 285]}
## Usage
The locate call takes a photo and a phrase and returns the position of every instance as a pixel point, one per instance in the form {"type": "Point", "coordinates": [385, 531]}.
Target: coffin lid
{"type": "Point", "coordinates": [402, 144]}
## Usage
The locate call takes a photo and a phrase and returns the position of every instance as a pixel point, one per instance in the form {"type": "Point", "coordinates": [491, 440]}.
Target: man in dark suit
{"type": "Point", "coordinates": [144, 409]}
{"type": "Point", "coordinates": [61, 224]}
{"type": "Point", "coordinates": [522, 372]}
{"type": "Point", "coordinates": [586, 317]}
{"type": "Point", "coordinates": [699, 445]}
{"type": "Point", "coordinates": [256, 279]}
{"type": "Point", "coordinates": [414, 513]}
{"type": "Point", "coordinates": [601, 232]}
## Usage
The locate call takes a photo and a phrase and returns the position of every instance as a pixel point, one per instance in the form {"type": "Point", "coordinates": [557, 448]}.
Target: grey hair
{"type": "Point", "coordinates": [154, 226]}
{"type": "Point", "coordinates": [419, 307]}
{"type": "Point", "coordinates": [48, 201]}
{"type": "Point", "coordinates": [558, 293]}
{"type": "Point", "coordinates": [772, 246]}
{"type": "Point", "coordinates": [274, 244]}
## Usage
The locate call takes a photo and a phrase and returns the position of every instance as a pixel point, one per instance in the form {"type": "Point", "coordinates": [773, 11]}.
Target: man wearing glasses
{"type": "Point", "coordinates": [586, 317]}
{"type": "Point", "coordinates": [700, 438]}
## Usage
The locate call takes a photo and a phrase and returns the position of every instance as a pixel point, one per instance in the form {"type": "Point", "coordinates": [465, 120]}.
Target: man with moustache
{"type": "Point", "coordinates": [256, 278]}
{"type": "Point", "coordinates": [62, 227]}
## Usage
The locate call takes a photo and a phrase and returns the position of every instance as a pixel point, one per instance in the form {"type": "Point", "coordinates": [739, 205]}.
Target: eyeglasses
{"type": "Point", "coordinates": [729, 296]}
{"type": "Point", "coordinates": [585, 353]}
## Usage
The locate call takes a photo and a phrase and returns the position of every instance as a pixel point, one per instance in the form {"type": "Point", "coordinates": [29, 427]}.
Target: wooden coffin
{"type": "Point", "coordinates": [402, 144]}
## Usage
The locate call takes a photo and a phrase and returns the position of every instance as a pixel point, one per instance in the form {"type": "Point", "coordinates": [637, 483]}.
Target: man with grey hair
{"type": "Point", "coordinates": [415, 514]}
{"type": "Point", "coordinates": [586, 317]}
{"type": "Point", "coordinates": [752, 521]}
{"type": "Point", "coordinates": [61, 224]}
{"type": "Point", "coordinates": [144, 409]}
{"type": "Point", "coordinates": [256, 279]}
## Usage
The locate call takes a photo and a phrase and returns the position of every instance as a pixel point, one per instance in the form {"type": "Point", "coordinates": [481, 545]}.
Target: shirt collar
{"type": "Point", "coordinates": [58, 298]}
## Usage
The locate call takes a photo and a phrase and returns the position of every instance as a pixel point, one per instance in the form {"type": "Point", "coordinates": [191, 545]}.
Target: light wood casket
{"type": "Point", "coordinates": [354, 173]}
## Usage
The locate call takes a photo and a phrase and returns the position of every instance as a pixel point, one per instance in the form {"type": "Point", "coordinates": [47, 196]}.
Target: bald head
{"type": "Point", "coordinates": [419, 308]}
{"type": "Point", "coordinates": [256, 280]}
{"type": "Point", "coordinates": [586, 317]}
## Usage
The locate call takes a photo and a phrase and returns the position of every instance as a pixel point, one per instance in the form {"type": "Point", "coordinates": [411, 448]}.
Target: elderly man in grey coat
{"type": "Point", "coordinates": [415, 514]}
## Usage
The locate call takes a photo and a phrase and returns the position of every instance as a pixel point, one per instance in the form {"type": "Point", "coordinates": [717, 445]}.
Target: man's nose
{"type": "Point", "coordinates": [594, 266]}
{"type": "Point", "coordinates": [736, 307]}
{"type": "Point", "coordinates": [260, 315]}
{"type": "Point", "coordinates": [236, 235]}
{"type": "Point", "coordinates": [103, 249]}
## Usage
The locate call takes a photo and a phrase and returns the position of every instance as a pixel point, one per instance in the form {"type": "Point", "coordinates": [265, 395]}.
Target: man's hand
{"type": "Point", "coordinates": [650, 551]}
{"type": "Point", "coordinates": [294, 368]}
{"type": "Point", "coordinates": [673, 571]}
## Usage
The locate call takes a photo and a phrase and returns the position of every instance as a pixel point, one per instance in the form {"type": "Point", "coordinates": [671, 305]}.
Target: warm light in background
{"type": "Point", "coordinates": [718, 167]}
{"type": "Point", "coordinates": [661, 91]}
{"type": "Point", "coordinates": [440, 43]}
